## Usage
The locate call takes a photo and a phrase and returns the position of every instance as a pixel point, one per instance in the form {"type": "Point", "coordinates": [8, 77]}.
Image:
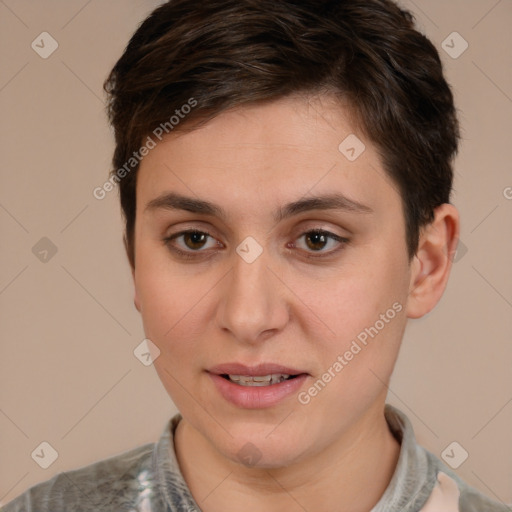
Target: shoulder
{"type": "Point", "coordinates": [423, 482]}
{"type": "Point", "coordinates": [109, 484]}
{"type": "Point", "coordinates": [469, 499]}
{"type": "Point", "coordinates": [472, 500]}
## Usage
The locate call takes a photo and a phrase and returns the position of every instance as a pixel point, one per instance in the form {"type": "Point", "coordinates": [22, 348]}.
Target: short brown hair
{"type": "Point", "coordinates": [226, 53]}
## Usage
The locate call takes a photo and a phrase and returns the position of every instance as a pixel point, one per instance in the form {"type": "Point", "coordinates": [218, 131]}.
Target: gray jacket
{"type": "Point", "coordinates": [148, 479]}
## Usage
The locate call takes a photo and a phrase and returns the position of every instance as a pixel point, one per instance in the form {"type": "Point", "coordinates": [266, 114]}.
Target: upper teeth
{"type": "Point", "coordinates": [259, 380]}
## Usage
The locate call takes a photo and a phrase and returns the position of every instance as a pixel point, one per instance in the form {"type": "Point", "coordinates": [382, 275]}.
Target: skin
{"type": "Point", "coordinates": [336, 452]}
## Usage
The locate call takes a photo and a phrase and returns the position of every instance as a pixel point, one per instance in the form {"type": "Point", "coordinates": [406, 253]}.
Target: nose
{"type": "Point", "coordinates": [254, 304]}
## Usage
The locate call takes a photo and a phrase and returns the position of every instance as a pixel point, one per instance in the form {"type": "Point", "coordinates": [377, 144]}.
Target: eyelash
{"type": "Point", "coordinates": [197, 254]}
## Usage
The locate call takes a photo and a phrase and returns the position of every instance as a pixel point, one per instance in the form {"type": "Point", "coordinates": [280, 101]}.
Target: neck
{"type": "Point", "coordinates": [351, 474]}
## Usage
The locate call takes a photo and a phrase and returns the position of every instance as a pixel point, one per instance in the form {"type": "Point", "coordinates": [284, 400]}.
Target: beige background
{"type": "Point", "coordinates": [69, 328]}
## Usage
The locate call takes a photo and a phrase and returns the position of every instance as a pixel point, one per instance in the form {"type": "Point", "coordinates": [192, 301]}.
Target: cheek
{"type": "Point", "coordinates": [171, 307]}
{"type": "Point", "coordinates": [173, 314]}
{"type": "Point", "coordinates": [352, 299]}
{"type": "Point", "coordinates": [356, 362]}
{"type": "Point", "coordinates": [167, 300]}
{"type": "Point", "coordinates": [362, 308]}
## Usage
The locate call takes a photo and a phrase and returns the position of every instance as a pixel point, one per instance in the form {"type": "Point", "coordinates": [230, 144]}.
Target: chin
{"type": "Point", "coordinates": [264, 452]}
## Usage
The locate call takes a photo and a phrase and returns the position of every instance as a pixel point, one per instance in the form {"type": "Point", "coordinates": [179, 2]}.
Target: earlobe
{"type": "Point", "coordinates": [135, 295]}
{"type": "Point", "coordinates": [136, 302]}
{"type": "Point", "coordinates": [433, 260]}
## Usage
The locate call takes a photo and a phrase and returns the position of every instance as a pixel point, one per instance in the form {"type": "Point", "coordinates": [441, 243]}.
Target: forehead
{"type": "Point", "coordinates": [268, 154]}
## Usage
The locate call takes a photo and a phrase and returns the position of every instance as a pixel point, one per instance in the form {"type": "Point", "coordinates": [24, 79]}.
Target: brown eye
{"type": "Point", "coordinates": [191, 241]}
{"type": "Point", "coordinates": [316, 240]}
{"type": "Point", "coordinates": [195, 240]}
{"type": "Point", "coordinates": [319, 243]}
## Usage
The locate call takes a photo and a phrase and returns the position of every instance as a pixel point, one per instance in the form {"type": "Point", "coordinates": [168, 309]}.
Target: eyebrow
{"type": "Point", "coordinates": [174, 201]}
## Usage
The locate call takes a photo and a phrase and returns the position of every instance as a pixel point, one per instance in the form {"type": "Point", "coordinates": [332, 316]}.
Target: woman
{"type": "Point", "coordinates": [285, 175]}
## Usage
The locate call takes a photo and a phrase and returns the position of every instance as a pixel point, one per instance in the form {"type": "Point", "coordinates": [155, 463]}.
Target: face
{"type": "Point", "coordinates": [262, 250]}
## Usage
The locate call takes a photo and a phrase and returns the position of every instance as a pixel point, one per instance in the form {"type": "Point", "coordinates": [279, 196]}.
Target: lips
{"type": "Point", "coordinates": [265, 374]}
{"type": "Point", "coordinates": [254, 371]}
{"type": "Point", "coordinates": [256, 387]}
{"type": "Point", "coordinates": [256, 380]}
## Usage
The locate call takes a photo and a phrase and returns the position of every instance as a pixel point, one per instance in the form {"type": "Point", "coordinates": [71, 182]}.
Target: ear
{"type": "Point", "coordinates": [129, 254]}
{"type": "Point", "coordinates": [433, 261]}
{"type": "Point", "coordinates": [136, 301]}
{"type": "Point", "coordinates": [135, 296]}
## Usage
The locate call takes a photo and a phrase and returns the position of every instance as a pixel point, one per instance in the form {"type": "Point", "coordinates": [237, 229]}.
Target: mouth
{"type": "Point", "coordinates": [258, 380]}
{"type": "Point", "coordinates": [257, 387]}
{"type": "Point", "coordinates": [263, 374]}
